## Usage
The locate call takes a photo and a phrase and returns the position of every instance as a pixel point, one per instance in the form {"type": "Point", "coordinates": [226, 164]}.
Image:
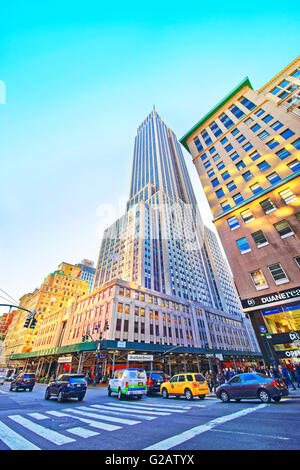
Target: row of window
{"type": "Point", "coordinates": [267, 205]}
{"type": "Point", "coordinates": [277, 272]}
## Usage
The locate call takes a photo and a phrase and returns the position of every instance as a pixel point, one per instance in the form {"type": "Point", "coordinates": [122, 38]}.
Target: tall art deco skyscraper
{"type": "Point", "coordinates": [160, 243]}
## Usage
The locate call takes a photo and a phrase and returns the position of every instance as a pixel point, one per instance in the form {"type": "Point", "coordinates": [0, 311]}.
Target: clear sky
{"type": "Point", "coordinates": [80, 77]}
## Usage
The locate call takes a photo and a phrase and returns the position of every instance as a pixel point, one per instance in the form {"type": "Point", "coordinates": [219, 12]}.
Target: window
{"type": "Point", "coordinates": [225, 205]}
{"type": "Point", "coordinates": [263, 166]}
{"type": "Point", "coordinates": [224, 140]}
{"type": "Point", "coordinates": [296, 144]}
{"type": "Point", "coordinates": [259, 239]}
{"type": "Point", "coordinates": [212, 150]}
{"type": "Point", "coordinates": [267, 118]}
{"type": "Point", "coordinates": [226, 121]}
{"type": "Point", "coordinates": [277, 125]}
{"type": "Point", "coordinates": [247, 146]}
{"type": "Point", "coordinates": [231, 186]}
{"type": "Point", "coordinates": [120, 307]}
{"type": "Point", "coordinates": [225, 175]}
{"type": "Point", "coordinates": [203, 157]}
{"type": "Point", "coordinates": [220, 166]}
{"type": "Point", "coordinates": [248, 120]}
{"type": "Point", "coordinates": [284, 229]}
{"type": "Point", "coordinates": [228, 148]}
{"type": "Point", "coordinates": [254, 156]}
{"type": "Point", "coordinates": [241, 139]}
{"type": "Point", "coordinates": [247, 176]}
{"type": "Point", "coordinates": [247, 103]}
{"type": "Point", "coordinates": [215, 182]}
{"type": "Point", "coordinates": [256, 188]}
{"type": "Point", "coordinates": [240, 165]}
{"type": "Point", "coordinates": [206, 137]}
{"type": "Point", "coordinates": [119, 324]}
{"type": "Point", "coordinates": [267, 206]}
{"type": "Point", "coordinates": [247, 216]}
{"type": "Point", "coordinates": [210, 173]}
{"type": "Point", "coordinates": [238, 198]}
{"type": "Point", "coordinates": [233, 223]}
{"type": "Point", "coordinates": [216, 157]}
{"type": "Point", "coordinates": [255, 127]}
{"type": "Point", "coordinates": [297, 261]}
{"type": "Point", "coordinates": [236, 111]}
{"type": "Point", "coordinates": [263, 135]}
{"type": "Point", "coordinates": [215, 129]}
{"type": "Point", "coordinates": [287, 134]}
{"type": "Point", "coordinates": [234, 156]}
{"type": "Point", "coordinates": [272, 143]}
{"type": "Point", "coordinates": [235, 131]}
{"type": "Point", "coordinates": [282, 154]}
{"type": "Point", "coordinates": [294, 166]}
{"type": "Point", "coordinates": [258, 279]}
{"type": "Point", "coordinates": [259, 112]}
{"type": "Point", "coordinates": [273, 178]}
{"type": "Point", "coordinates": [207, 164]}
{"type": "Point", "coordinates": [296, 73]}
{"type": "Point", "coordinates": [278, 274]}
{"type": "Point", "coordinates": [243, 245]}
{"type": "Point", "coordinates": [288, 196]}
{"type": "Point", "coordinates": [198, 145]}
{"type": "Point", "coordinates": [220, 193]}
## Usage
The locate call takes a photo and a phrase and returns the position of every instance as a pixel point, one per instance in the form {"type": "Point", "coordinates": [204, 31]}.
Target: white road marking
{"type": "Point", "coordinates": [91, 413]}
{"type": "Point", "coordinates": [82, 432]}
{"type": "Point", "coordinates": [138, 409]}
{"type": "Point", "coordinates": [13, 440]}
{"type": "Point", "coordinates": [52, 436]}
{"type": "Point", "coordinates": [157, 407]}
{"type": "Point", "coordinates": [263, 436]}
{"type": "Point", "coordinates": [38, 416]}
{"type": "Point", "coordinates": [90, 422]}
{"type": "Point", "coordinates": [174, 441]}
{"type": "Point", "coordinates": [107, 409]}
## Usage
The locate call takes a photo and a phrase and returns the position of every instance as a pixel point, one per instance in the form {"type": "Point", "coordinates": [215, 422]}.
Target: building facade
{"type": "Point", "coordinates": [5, 321]}
{"type": "Point", "coordinates": [247, 153]}
{"type": "Point", "coordinates": [87, 272]}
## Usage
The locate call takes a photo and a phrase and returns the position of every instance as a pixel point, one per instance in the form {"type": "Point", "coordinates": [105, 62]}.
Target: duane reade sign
{"type": "Point", "coordinates": [140, 357]}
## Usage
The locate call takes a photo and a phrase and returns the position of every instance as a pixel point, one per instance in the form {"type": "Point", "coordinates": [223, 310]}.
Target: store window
{"type": "Point", "coordinates": [258, 279]}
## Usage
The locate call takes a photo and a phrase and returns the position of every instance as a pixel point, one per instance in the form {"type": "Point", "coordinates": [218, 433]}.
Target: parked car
{"type": "Point", "coordinates": [252, 385]}
{"type": "Point", "coordinates": [128, 382]}
{"type": "Point", "coordinates": [67, 386]}
{"type": "Point", "coordinates": [189, 384]}
{"type": "Point", "coordinates": [154, 381]}
{"type": "Point", "coordinates": [22, 381]}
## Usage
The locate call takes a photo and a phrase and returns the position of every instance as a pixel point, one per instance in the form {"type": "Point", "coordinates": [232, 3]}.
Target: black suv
{"type": "Point", "coordinates": [154, 381]}
{"type": "Point", "coordinates": [22, 381]}
{"type": "Point", "coordinates": [67, 386]}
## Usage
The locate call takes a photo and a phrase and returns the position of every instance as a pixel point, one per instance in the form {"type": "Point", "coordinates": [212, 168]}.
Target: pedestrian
{"type": "Point", "coordinates": [297, 371]}
{"type": "Point", "coordinates": [291, 369]}
{"type": "Point", "coordinates": [287, 377]}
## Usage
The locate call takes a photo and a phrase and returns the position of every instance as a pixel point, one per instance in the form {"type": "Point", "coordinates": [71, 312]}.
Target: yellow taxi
{"type": "Point", "coordinates": [189, 384]}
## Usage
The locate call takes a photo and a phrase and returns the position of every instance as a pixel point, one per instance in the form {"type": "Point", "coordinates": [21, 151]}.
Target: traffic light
{"type": "Point", "coordinates": [106, 325]}
{"type": "Point", "coordinates": [85, 338]}
{"type": "Point", "coordinates": [27, 322]}
{"type": "Point", "coordinates": [33, 323]}
{"type": "Point", "coordinates": [101, 336]}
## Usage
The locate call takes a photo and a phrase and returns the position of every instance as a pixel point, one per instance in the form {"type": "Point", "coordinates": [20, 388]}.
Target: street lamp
{"type": "Point", "coordinates": [96, 375]}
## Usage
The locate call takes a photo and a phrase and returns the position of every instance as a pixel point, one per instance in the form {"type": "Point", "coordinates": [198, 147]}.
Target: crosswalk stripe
{"type": "Point", "coordinates": [154, 408]}
{"type": "Point", "coordinates": [168, 405]}
{"type": "Point", "coordinates": [82, 432]}
{"type": "Point", "coordinates": [46, 433]}
{"type": "Point", "coordinates": [107, 409]}
{"type": "Point", "coordinates": [96, 414]}
{"type": "Point", "coordinates": [90, 422]}
{"type": "Point", "coordinates": [13, 440]}
{"type": "Point", "coordinates": [138, 409]}
{"type": "Point", "coordinates": [174, 441]}
{"type": "Point", "coordinates": [38, 416]}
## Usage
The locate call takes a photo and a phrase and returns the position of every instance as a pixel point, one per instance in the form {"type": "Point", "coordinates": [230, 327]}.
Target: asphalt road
{"type": "Point", "coordinates": [27, 421]}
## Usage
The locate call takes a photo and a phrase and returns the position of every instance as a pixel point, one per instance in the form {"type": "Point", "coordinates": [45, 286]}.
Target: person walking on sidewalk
{"type": "Point", "coordinates": [287, 377]}
{"type": "Point", "coordinates": [297, 371]}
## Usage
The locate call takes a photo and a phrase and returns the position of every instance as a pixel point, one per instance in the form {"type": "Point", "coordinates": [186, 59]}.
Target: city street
{"type": "Point", "coordinates": [28, 422]}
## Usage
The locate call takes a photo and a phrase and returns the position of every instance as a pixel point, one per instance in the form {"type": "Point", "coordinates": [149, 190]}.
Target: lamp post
{"type": "Point", "coordinates": [96, 375]}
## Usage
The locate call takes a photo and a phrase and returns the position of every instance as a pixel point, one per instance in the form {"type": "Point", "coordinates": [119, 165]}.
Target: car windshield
{"type": "Point", "coordinates": [156, 376]}
{"type": "Point", "coordinates": [73, 380]}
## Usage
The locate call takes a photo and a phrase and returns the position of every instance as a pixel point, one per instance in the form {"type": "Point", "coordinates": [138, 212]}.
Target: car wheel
{"type": "Point", "coordinates": [119, 394]}
{"type": "Point", "coordinates": [202, 397]}
{"type": "Point", "coordinates": [277, 399]}
{"type": "Point", "coordinates": [109, 391]}
{"type": "Point", "coordinates": [47, 394]}
{"type": "Point", "coordinates": [188, 394]}
{"type": "Point", "coordinates": [264, 396]}
{"type": "Point", "coordinates": [164, 393]}
{"type": "Point", "coordinates": [60, 397]}
{"type": "Point", "coordinates": [30, 389]}
{"type": "Point", "coordinates": [80, 398]}
{"type": "Point", "coordinates": [224, 397]}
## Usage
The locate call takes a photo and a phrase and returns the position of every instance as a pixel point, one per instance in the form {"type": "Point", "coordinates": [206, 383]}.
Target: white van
{"type": "Point", "coordinates": [128, 382]}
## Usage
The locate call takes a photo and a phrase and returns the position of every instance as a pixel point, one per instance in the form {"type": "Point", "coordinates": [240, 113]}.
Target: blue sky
{"type": "Point", "coordinates": [80, 78]}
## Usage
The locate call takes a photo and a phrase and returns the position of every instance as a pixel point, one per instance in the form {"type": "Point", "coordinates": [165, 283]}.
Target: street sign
{"type": "Point", "coordinates": [140, 357]}
{"type": "Point", "coordinates": [121, 344]}
{"type": "Point", "coordinates": [220, 357]}
{"type": "Point", "coordinates": [64, 359]}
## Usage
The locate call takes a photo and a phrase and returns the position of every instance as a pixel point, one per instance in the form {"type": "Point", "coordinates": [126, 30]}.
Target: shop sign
{"type": "Point", "coordinates": [269, 299]}
{"type": "Point", "coordinates": [121, 344]}
{"type": "Point", "coordinates": [140, 357]}
{"type": "Point", "coordinates": [209, 356]}
{"type": "Point", "coordinates": [283, 338]}
{"type": "Point", "coordinates": [288, 354]}
{"type": "Point", "coordinates": [220, 357]}
{"type": "Point", "coordinates": [64, 359]}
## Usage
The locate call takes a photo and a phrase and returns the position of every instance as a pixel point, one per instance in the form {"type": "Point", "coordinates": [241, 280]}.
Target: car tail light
{"type": "Point", "coordinates": [166, 380]}
{"type": "Point", "coordinates": [195, 384]}
{"type": "Point", "coordinates": [126, 385]}
{"type": "Point", "coordinates": [275, 383]}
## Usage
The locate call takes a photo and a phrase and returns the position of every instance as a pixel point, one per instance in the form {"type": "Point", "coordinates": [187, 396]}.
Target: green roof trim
{"type": "Point", "coordinates": [239, 87]}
